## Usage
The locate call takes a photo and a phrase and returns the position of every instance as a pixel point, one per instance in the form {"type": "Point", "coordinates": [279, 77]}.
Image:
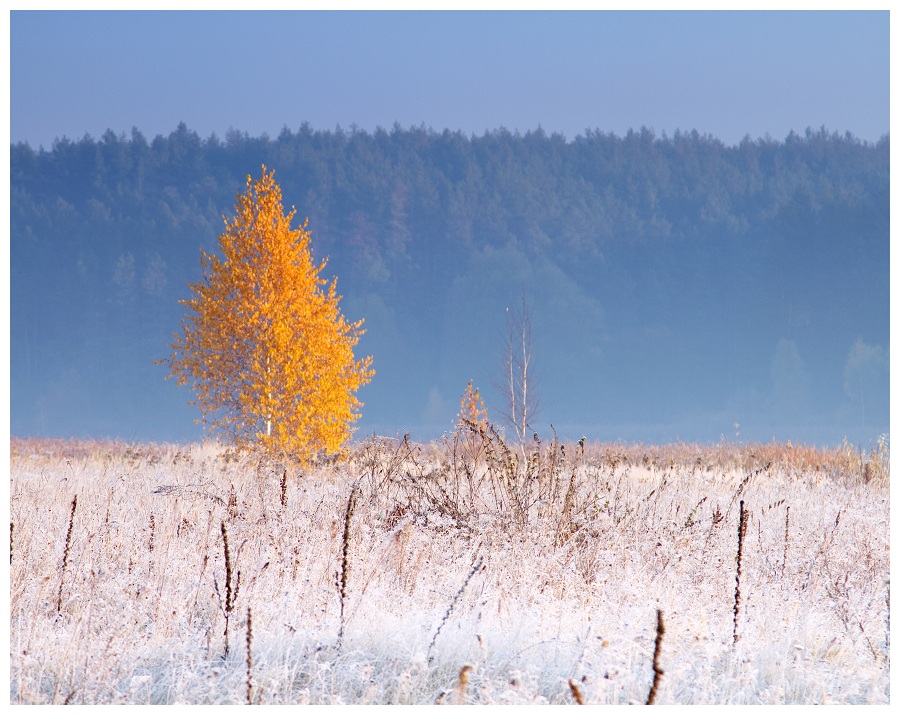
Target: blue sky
{"type": "Point", "coordinates": [729, 74]}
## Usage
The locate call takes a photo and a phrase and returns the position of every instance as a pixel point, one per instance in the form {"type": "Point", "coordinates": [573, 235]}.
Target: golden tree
{"type": "Point", "coordinates": [264, 345]}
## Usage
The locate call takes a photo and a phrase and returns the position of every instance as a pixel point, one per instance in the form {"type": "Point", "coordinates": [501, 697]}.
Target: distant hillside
{"type": "Point", "coordinates": [678, 286]}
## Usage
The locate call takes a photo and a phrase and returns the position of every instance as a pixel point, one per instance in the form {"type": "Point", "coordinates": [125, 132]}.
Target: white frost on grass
{"type": "Point", "coordinates": [146, 626]}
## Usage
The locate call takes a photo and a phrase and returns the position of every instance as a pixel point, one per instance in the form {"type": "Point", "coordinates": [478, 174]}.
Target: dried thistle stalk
{"type": "Point", "coordinates": [742, 531]}
{"type": "Point", "coordinates": [657, 670]}
{"type": "Point", "coordinates": [249, 657]}
{"type": "Point", "coordinates": [65, 560]}
{"type": "Point", "coordinates": [344, 576]}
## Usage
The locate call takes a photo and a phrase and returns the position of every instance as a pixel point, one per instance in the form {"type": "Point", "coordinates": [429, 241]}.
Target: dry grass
{"type": "Point", "coordinates": [580, 545]}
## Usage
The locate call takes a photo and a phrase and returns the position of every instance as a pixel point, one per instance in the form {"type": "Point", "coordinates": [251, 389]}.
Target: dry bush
{"type": "Point", "coordinates": [477, 475]}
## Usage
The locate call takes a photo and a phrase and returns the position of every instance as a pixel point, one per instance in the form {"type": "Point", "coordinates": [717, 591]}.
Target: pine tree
{"type": "Point", "coordinates": [264, 344]}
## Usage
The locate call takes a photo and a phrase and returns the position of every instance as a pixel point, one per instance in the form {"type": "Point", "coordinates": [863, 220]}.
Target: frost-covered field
{"type": "Point", "coordinates": [542, 572]}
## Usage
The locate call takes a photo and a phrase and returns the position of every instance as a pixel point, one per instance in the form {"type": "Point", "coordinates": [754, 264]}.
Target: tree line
{"type": "Point", "coordinates": [105, 232]}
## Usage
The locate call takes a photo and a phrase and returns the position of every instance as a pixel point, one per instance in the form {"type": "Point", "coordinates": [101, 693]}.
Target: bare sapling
{"type": "Point", "coordinates": [516, 383]}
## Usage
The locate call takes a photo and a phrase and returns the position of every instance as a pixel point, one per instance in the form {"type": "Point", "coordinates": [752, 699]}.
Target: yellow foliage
{"type": "Point", "coordinates": [472, 408]}
{"type": "Point", "coordinates": [264, 345]}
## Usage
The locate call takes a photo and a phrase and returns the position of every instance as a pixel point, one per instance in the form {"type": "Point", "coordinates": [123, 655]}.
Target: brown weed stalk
{"type": "Point", "coordinates": [657, 670]}
{"type": "Point", "coordinates": [576, 692]}
{"type": "Point", "coordinates": [344, 575]}
{"type": "Point", "coordinates": [742, 532]}
{"type": "Point", "coordinates": [564, 528]}
{"type": "Point", "coordinates": [232, 504]}
{"type": "Point", "coordinates": [787, 526]}
{"type": "Point", "coordinates": [476, 567]}
{"type": "Point", "coordinates": [689, 522]}
{"type": "Point", "coordinates": [887, 622]}
{"type": "Point", "coordinates": [65, 560]}
{"type": "Point", "coordinates": [232, 584]}
{"type": "Point", "coordinates": [745, 481]}
{"type": "Point", "coordinates": [249, 657]}
{"type": "Point", "coordinates": [462, 684]}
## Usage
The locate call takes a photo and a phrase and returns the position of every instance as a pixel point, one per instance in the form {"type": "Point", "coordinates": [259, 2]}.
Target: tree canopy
{"type": "Point", "coordinates": [264, 344]}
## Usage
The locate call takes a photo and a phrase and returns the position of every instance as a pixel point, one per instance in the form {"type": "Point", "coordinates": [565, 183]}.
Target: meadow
{"type": "Point", "coordinates": [468, 570]}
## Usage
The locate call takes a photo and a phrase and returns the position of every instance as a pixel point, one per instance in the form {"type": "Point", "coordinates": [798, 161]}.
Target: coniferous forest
{"type": "Point", "coordinates": [679, 288]}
